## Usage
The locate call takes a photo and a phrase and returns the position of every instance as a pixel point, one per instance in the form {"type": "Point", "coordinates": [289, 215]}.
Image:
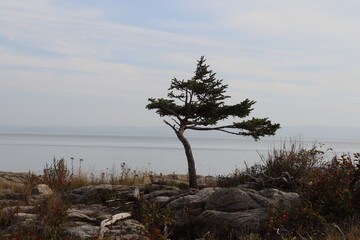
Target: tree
{"type": "Point", "coordinates": [198, 104]}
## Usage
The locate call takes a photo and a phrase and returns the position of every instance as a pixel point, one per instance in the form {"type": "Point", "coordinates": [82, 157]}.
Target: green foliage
{"type": "Point", "coordinates": [198, 104]}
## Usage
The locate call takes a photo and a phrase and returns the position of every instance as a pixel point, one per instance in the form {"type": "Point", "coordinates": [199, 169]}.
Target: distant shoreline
{"type": "Point", "coordinates": [286, 132]}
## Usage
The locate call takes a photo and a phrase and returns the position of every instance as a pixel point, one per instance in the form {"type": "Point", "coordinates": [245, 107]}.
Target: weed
{"type": "Point", "coordinates": [158, 222]}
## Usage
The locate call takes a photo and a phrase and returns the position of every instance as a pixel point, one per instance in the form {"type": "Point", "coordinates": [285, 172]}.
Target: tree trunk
{"type": "Point", "coordinates": [190, 159]}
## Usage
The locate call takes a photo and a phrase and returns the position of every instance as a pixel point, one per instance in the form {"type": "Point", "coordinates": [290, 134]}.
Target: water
{"type": "Point", "coordinates": [22, 152]}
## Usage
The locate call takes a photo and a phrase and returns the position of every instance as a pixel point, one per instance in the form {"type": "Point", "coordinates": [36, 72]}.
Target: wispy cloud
{"type": "Point", "coordinates": [281, 53]}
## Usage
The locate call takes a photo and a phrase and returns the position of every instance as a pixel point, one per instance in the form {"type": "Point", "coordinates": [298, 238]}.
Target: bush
{"type": "Point", "coordinates": [57, 175]}
{"type": "Point", "coordinates": [294, 161]}
{"type": "Point", "coordinates": [48, 225]}
{"type": "Point", "coordinates": [330, 188]}
{"type": "Point", "coordinates": [157, 222]}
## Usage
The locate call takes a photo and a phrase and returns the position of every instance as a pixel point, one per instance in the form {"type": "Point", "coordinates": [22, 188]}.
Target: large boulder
{"type": "Point", "coordinates": [102, 193]}
{"type": "Point", "coordinates": [227, 212]}
{"type": "Point", "coordinates": [12, 179]}
{"type": "Point", "coordinates": [189, 206]}
{"type": "Point", "coordinates": [230, 213]}
{"type": "Point", "coordinates": [163, 193]}
{"type": "Point", "coordinates": [81, 230]}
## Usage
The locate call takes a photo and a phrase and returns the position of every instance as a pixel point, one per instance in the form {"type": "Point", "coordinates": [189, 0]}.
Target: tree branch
{"type": "Point", "coordinates": [172, 112]}
{"type": "Point", "coordinates": [222, 129]}
{"type": "Point", "coordinates": [176, 121]}
{"type": "Point", "coordinates": [172, 126]}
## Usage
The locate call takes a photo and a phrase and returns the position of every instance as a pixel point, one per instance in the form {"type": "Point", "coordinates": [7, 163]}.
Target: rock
{"type": "Point", "coordinates": [90, 194]}
{"type": "Point", "coordinates": [164, 193]}
{"type": "Point", "coordinates": [231, 200]}
{"type": "Point", "coordinates": [189, 206]}
{"type": "Point", "coordinates": [230, 225]}
{"type": "Point", "coordinates": [78, 215]}
{"type": "Point", "coordinates": [82, 231]}
{"type": "Point", "coordinates": [226, 213]}
{"type": "Point", "coordinates": [126, 227]}
{"type": "Point", "coordinates": [41, 189]}
{"type": "Point", "coordinates": [156, 187]}
{"type": "Point", "coordinates": [279, 199]}
{"type": "Point", "coordinates": [102, 193]}
{"type": "Point", "coordinates": [13, 179]}
{"type": "Point", "coordinates": [23, 218]}
{"type": "Point", "coordinates": [19, 209]}
{"type": "Point", "coordinates": [95, 213]}
{"type": "Point", "coordinates": [105, 224]}
{"type": "Point", "coordinates": [196, 200]}
{"type": "Point", "coordinates": [161, 200]}
{"type": "Point", "coordinates": [6, 195]}
{"type": "Point", "coordinates": [232, 212]}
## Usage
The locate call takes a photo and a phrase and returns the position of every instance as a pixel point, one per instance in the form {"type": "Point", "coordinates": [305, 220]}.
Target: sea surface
{"type": "Point", "coordinates": [23, 152]}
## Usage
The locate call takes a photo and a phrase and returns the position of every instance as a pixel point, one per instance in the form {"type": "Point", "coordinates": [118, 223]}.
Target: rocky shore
{"type": "Point", "coordinates": [111, 211]}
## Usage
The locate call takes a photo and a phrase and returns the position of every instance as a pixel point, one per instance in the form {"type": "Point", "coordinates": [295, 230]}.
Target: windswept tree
{"type": "Point", "coordinates": [198, 104]}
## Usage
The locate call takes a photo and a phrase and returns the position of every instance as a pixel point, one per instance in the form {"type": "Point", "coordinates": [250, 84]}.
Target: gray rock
{"type": "Point", "coordinates": [101, 193]}
{"type": "Point", "coordinates": [235, 199]}
{"type": "Point", "coordinates": [187, 207]}
{"type": "Point", "coordinates": [8, 195]}
{"type": "Point", "coordinates": [23, 218]}
{"type": "Point", "coordinates": [13, 179]}
{"type": "Point", "coordinates": [228, 213]}
{"type": "Point", "coordinates": [279, 199]}
{"type": "Point", "coordinates": [161, 200]}
{"type": "Point", "coordinates": [19, 209]}
{"type": "Point", "coordinates": [165, 193]}
{"type": "Point", "coordinates": [82, 231]}
{"type": "Point", "coordinates": [233, 212]}
{"type": "Point", "coordinates": [192, 201]}
{"type": "Point", "coordinates": [41, 189]}
{"type": "Point", "coordinates": [78, 215]}
{"type": "Point", "coordinates": [231, 200]}
{"type": "Point", "coordinates": [93, 212]}
{"type": "Point", "coordinates": [130, 237]}
{"type": "Point", "coordinates": [129, 226]}
{"type": "Point", "coordinates": [229, 225]}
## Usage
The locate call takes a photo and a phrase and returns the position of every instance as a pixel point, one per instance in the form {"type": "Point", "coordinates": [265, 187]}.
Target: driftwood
{"type": "Point", "coordinates": [124, 200]}
{"type": "Point", "coordinates": [285, 180]}
{"type": "Point", "coordinates": [111, 220]}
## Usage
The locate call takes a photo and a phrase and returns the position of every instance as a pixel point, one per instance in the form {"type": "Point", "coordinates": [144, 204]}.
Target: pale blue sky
{"type": "Point", "coordinates": [88, 62]}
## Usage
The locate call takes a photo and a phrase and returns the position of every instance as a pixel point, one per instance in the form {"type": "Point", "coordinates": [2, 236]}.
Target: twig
{"type": "Point", "coordinates": [339, 229]}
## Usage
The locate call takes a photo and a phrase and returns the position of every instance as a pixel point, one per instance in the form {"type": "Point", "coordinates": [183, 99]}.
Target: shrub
{"type": "Point", "coordinates": [57, 175]}
{"type": "Point", "coordinates": [157, 222]}
{"type": "Point", "coordinates": [295, 160]}
{"type": "Point", "coordinates": [48, 225]}
{"type": "Point", "coordinates": [330, 188]}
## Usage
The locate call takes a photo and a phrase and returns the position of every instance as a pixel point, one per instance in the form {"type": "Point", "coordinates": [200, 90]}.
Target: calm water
{"type": "Point", "coordinates": [29, 151]}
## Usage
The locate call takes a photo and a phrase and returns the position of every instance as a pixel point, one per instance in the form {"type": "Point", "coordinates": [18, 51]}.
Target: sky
{"type": "Point", "coordinates": [95, 63]}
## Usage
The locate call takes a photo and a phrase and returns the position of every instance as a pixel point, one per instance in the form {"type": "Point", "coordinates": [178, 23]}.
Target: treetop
{"type": "Point", "coordinates": [199, 104]}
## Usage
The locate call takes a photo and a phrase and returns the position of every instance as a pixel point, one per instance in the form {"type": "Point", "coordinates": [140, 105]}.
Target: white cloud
{"type": "Point", "coordinates": [277, 51]}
